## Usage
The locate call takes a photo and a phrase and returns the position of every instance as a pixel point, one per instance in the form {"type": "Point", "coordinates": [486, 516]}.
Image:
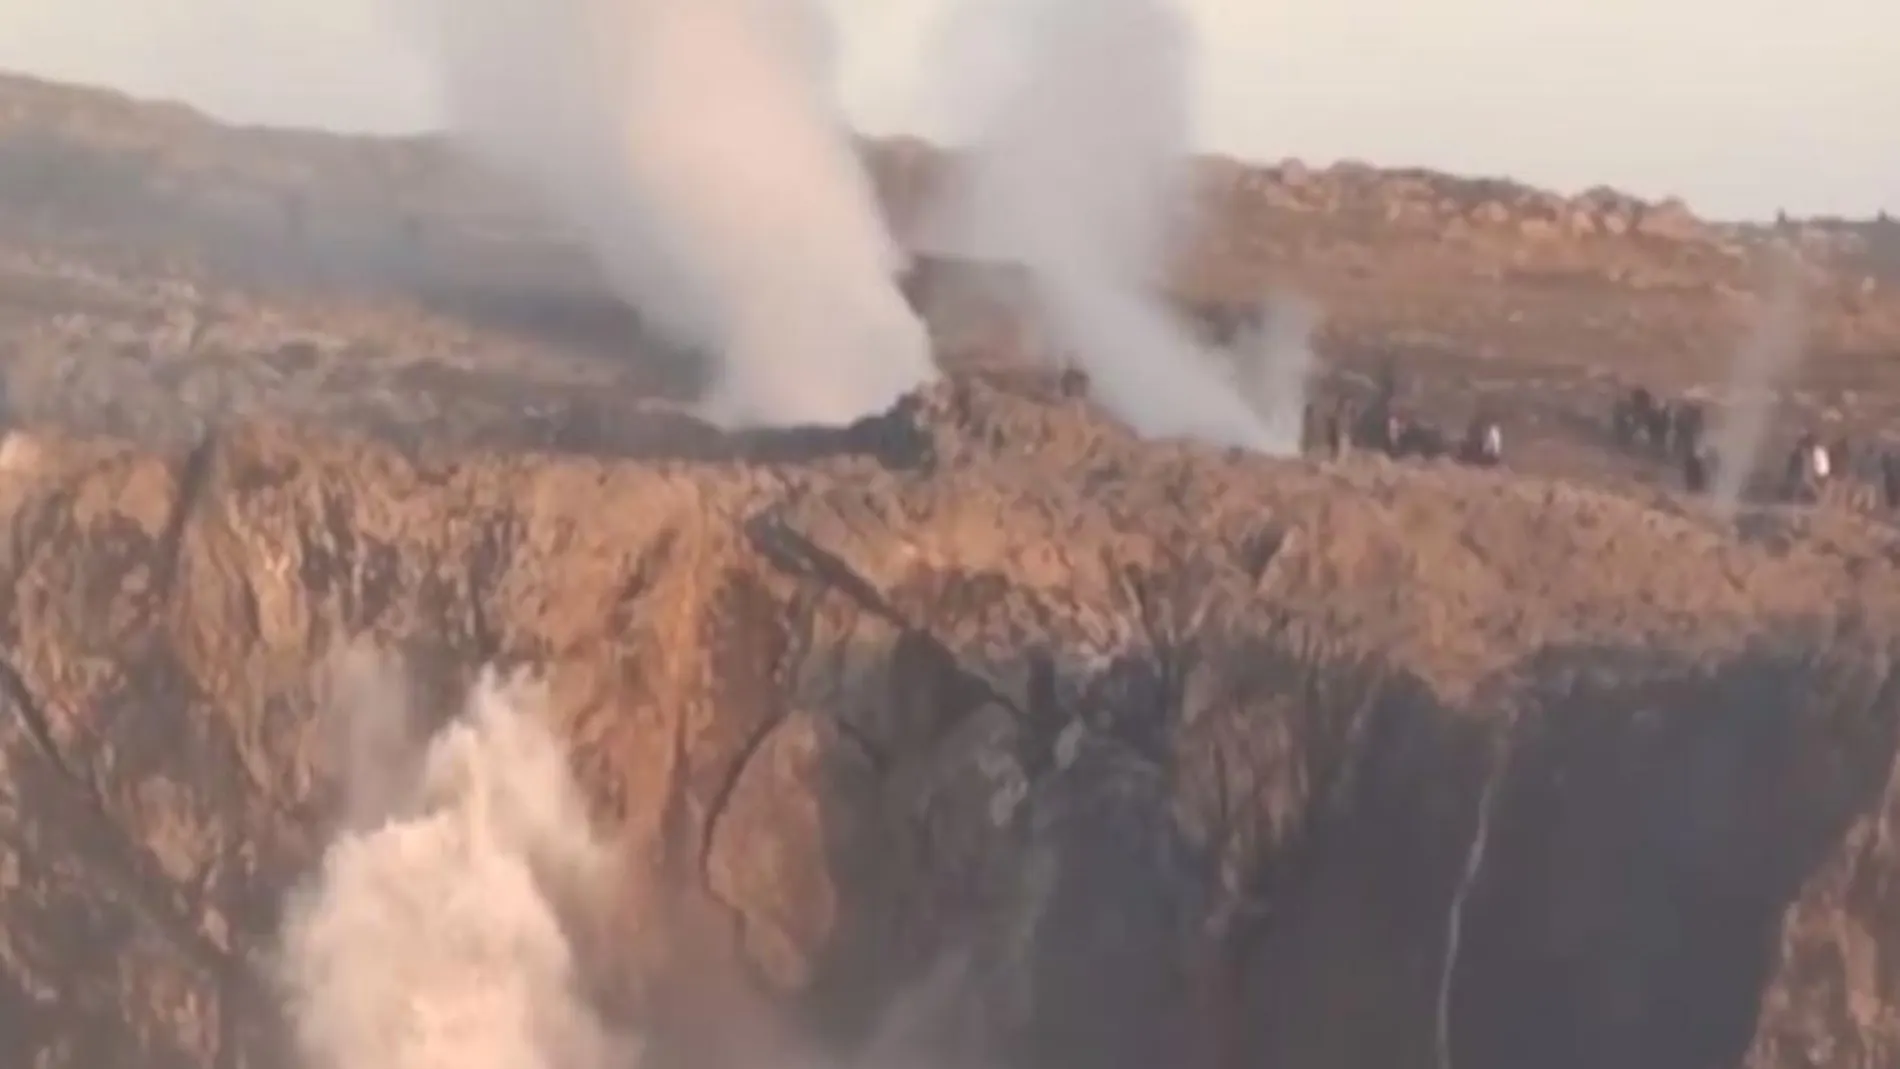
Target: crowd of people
{"type": "Point", "coordinates": [1668, 429]}
{"type": "Point", "coordinates": [1384, 423]}
{"type": "Point", "coordinates": [1673, 430]}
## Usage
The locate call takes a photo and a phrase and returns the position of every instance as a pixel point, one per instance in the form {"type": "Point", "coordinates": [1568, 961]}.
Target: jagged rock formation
{"type": "Point", "coordinates": [1180, 756]}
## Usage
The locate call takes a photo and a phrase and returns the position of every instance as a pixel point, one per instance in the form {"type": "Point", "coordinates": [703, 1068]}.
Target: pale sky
{"type": "Point", "coordinates": [1739, 106]}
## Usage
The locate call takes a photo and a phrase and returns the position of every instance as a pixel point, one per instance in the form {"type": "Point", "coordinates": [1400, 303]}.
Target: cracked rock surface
{"type": "Point", "coordinates": [1176, 754]}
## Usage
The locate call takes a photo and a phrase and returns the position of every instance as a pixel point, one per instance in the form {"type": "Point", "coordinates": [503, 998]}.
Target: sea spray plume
{"type": "Point", "coordinates": [1275, 361]}
{"type": "Point", "coordinates": [695, 144]}
{"type": "Point", "coordinates": [1773, 349]}
{"type": "Point", "coordinates": [375, 744]}
{"type": "Point", "coordinates": [1078, 175]}
{"type": "Point", "coordinates": [438, 939]}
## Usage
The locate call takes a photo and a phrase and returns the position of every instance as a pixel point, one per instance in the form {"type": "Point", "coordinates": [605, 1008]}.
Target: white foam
{"type": "Point", "coordinates": [436, 935]}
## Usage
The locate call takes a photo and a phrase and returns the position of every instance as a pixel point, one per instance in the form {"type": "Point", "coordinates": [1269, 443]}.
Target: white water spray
{"type": "Point", "coordinates": [1772, 351]}
{"type": "Point", "coordinates": [1461, 895]}
{"type": "Point", "coordinates": [1078, 175]}
{"type": "Point", "coordinates": [436, 935]}
{"type": "Point", "coordinates": [696, 144]}
{"type": "Point", "coordinates": [1276, 361]}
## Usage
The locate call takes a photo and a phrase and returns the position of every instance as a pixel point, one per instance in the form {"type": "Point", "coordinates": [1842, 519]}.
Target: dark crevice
{"type": "Point", "coordinates": [715, 813]}
{"type": "Point", "coordinates": [1689, 810]}
{"type": "Point", "coordinates": [40, 729]}
{"type": "Point", "coordinates": [729, 785]}
{"type": "Point", "coordinates": [799, 557]}
{"type": "Point", "coordinates": [874, 754]}
{"type": "Point", "coordinates": [194, 476]}
{"type": "Point", "coordinates": [792, 552]}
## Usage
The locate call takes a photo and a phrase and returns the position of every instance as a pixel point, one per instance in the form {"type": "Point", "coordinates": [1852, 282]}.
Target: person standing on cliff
{"type": "Point", "coordinates": [1483, 444]}
{"type": "Point", "coordinates": [1698, 470]}
{"type": "Point", "coordinates": [1338, 428]}
{"type": "Point", "coordinates": [1808, 469]}
{"type": "Point", "coordinates": [1379, 421]}
{"type": "Point", "coordinates": [1685, 424]}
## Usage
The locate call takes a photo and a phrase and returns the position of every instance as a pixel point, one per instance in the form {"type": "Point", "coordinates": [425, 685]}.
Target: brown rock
{"type": "Point", "coordinates": [904, 694]}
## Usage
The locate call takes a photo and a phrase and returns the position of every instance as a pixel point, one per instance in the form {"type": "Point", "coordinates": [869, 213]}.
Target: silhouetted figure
{"type": "Point", "coordinates": [1686, 421]}
{"type": "Point", "coordinates": [1793, 472]}
{"type": "Point", "coordinates": [1309, 429]}
{"type": "Point", "coordinates": [1698, 470]}
{"type": "Point", "coordinates": [1372, 427]}
{"type": "Point", "coordinates": [1808, 469]}
{"type": "Point", "coordinates": [1890, 478]}
{"type": "Point", "coordinates": [1623, 419]}
{"type": "Point", "coordinates": [1483, 444]}
{"type": "Point", "coordinates": [1493, 443]}
{"type": "Point", "coordinates": [1377, 425]}
{"type": "Point", "coordinates": [1337, 430]}
{"type": "Point", "coordinates": [1411, 438]}
{"type": "Point", "coordinates": [1820, 460]}
{"type": "Point", "coordinates": [1639, 417]}
{"type": "Point", "coordinates": [1392, 430]}
{"type": "Point", "coordinates": [1840, 457]}
{"type": "Point", "coordinates": [1385, 385]}
{"type": "Point", "coordinates": [1656, 426]}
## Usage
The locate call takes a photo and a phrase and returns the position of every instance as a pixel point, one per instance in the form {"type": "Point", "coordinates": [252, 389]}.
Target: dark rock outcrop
{"type": "Point", "coordinates": [1128, 754]}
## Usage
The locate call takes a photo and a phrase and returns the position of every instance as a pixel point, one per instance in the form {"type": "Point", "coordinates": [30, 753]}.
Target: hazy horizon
{"type": "Point", "coordinates": [1741, 109]}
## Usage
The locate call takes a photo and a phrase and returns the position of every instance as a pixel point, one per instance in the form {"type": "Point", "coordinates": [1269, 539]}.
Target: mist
{"type": "Point", "coordinates": [1077, 171]}
{"type": "Point", "coordinates": [1771, 352]}
{"type": "Point", "coordinates": [438, 931]}
{"type": "Point", "coordinates": [1276, 364]}
{"type": "Point", "coordinates": [697, 147]}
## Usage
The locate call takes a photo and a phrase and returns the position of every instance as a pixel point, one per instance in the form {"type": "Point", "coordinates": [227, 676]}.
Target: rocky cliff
{"type": "Point", "coordinates": [1052, 747]}
{"type": "Point", "coordinates": [977, 735]}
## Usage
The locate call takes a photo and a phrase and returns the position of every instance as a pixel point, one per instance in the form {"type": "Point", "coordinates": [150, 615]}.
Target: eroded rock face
{"type": "Point", "coordinates": [983, 732]}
